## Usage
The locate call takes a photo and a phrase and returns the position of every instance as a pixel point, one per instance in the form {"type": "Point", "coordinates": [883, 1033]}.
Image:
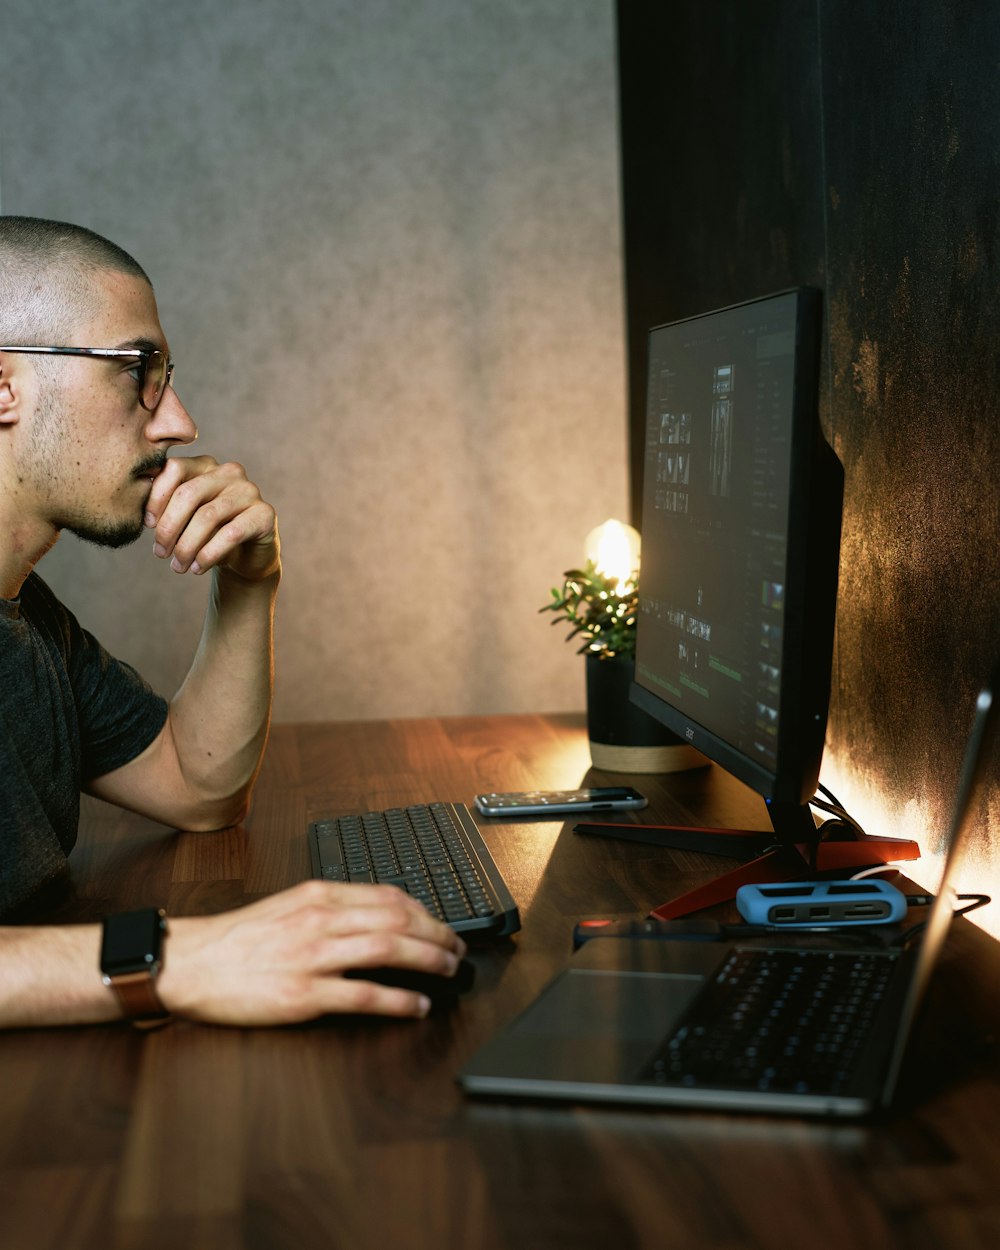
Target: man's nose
{"type": "Point", "coordinates": [170, 422]}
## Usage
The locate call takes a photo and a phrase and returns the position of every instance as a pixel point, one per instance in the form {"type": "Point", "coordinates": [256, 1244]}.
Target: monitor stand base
{"type": "Point", "coordinates": [796, 861]}
{"type": "Point", "coordinates": [791, 863]}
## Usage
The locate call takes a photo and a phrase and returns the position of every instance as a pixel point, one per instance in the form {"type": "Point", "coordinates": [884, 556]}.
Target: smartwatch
{"type": "Point", "coordinates": [131, 959]}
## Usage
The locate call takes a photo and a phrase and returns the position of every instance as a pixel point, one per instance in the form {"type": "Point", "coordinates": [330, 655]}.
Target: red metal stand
{"type": "Point", "coordinates": [796, 861]}
{"type": "Point", "coordinates": [791, 863]}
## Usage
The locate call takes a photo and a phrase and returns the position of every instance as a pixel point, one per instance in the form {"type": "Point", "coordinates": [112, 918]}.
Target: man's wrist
{"type": "Point", "coordinates": [132, 955]}
{"type": "Point", "coordinates": [269, 576]}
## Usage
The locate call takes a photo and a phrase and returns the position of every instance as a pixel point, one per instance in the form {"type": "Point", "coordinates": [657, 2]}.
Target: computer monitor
{"type": "Point", "coordinates": [740, 545]}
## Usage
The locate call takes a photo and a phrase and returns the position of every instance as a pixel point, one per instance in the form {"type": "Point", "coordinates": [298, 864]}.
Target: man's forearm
{"type": "Point", "coordinates": [198, 772]}
{"type": "Point", "coordinates": [280, 960]}
{"type": "Point", "coordinates": [219, 718]}
{"type": "Point", "coordinates": [51, 976]}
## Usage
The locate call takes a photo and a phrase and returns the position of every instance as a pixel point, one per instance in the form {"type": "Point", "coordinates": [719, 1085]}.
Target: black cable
{"type": "Point", "coordinates": [837, 809]}
{"type": "Point", "coordinates": [978, 900]}
{"type": "Point", "coordinates": [841, 815]}
{"type": "Point", "coordinates": [830, 795]}
{"type": "Point", "coordinates": [915, 930]}
{"type": "Point", "coordinates": [908, 935]}
{"type": "Point", "coordinates": [975, 901]}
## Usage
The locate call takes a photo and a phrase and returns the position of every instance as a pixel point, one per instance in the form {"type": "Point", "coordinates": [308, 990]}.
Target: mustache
{"type": "Point", "coordinates": [152, 464]}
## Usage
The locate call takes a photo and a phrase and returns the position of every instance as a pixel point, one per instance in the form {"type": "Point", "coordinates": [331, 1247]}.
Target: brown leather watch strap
{"type": "Point", "coordinates": [137, 994]}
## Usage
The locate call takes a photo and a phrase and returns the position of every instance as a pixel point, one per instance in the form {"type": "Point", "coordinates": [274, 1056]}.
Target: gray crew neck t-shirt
{"type": "Point", "coordinates": [69, 712]}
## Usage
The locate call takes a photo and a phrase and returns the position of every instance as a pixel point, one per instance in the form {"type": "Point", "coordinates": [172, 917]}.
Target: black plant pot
{"type": "Point", "coordinates": [624, 738]}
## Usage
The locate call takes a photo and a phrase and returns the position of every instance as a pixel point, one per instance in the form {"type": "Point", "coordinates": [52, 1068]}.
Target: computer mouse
{"type": "Point", "coordinates": [437, 988]}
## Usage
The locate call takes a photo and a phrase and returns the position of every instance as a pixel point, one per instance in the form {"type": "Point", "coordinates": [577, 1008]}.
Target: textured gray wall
{"type": "Point", "coordinates": [385, 242]}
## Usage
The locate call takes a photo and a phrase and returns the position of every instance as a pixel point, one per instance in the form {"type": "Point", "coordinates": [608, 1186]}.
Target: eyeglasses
{"type": "Point", "coordinates": [157, 370]}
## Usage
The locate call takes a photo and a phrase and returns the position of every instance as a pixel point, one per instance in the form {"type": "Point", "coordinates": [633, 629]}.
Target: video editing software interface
{"type": "Point", "coordinates": [715, 516]}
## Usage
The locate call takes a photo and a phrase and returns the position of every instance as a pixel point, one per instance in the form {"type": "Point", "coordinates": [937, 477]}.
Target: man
{"type": "Point", "coordinates": [87, 417]}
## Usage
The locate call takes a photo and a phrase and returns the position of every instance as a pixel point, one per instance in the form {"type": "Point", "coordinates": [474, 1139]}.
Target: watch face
{"type": "Point", "coordinates": [132, 941]}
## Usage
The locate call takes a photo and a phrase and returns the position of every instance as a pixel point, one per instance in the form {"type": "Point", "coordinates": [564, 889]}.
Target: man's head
{"type": "Point", "coordinates": [47, 270]}
{"type": "Point", "coordinates": [78, 449]}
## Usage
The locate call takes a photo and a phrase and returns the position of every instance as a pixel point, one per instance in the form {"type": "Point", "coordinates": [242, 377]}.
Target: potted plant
{"type": "Point", "coordinates": [600, 603]}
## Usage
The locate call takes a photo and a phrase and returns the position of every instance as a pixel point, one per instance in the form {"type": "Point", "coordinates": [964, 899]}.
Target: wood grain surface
{"type": "Point", "coordinates": [352, 1132]}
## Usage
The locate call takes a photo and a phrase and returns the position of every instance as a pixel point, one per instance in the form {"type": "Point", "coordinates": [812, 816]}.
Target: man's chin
{"type": "Point", "coordinates": [124, 534]}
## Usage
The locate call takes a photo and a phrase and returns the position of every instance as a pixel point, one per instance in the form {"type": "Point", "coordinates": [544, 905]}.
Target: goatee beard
{"type": "Point", "coordinates": [123, 534]}
{"type": "Point", "coordinates": [120, 533]}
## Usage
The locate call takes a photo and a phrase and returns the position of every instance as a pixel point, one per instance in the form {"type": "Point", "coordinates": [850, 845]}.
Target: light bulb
{"type": "Point", "coordinates": [614, 550]}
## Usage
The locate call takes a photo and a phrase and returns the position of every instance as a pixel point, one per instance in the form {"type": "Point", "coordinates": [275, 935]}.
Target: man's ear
{"type": "Point", "coordinates": [10, 396]}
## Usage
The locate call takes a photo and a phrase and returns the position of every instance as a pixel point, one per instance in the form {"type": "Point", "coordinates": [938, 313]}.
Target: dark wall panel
{"type": "Point", "coordinates": [912, 135]}
{"type": "Point", "coordinates": [721, 166]}
{"type": "Point", "coordinates": [854, 147]}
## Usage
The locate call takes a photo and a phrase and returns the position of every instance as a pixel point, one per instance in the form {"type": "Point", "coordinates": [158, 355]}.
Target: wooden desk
{"type": "Point", "coordinates": [352, 1134]}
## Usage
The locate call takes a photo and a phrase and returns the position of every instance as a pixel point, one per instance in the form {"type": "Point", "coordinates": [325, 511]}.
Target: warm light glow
{"type": "Point", "coordinates": [614, 549]}
{"type": "Point", "coordinates": [862, 795]}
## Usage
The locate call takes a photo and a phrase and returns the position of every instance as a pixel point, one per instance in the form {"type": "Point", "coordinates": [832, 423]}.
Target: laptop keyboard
{"type": "Point", "coordinates": [432, 851]}
{"type": "Point", "coordinates": [777, 1020]}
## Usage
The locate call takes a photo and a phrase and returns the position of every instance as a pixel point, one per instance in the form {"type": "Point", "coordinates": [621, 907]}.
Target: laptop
{"type": "Point", "coordinates": [625, 1022]}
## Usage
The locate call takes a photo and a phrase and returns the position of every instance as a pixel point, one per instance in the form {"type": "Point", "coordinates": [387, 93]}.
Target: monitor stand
{"type": "Point", "coordinates": [796, 851]}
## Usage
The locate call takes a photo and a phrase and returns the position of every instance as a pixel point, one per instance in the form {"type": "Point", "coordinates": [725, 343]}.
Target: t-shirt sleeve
{"type": "Point", "coordinates": [119, 713]}
{"type": "Point", "coordinates": [69, 712]}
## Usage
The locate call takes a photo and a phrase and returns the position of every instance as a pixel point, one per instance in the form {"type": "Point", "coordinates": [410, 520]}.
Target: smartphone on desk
{"type": "Point", "coordinates": [557, 802]}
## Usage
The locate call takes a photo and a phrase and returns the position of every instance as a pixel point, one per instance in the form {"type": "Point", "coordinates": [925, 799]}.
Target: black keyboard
{"type": "Point", "coordinates": [781, 1020]}
{"type": "Point", "coordinates": [433, 851]}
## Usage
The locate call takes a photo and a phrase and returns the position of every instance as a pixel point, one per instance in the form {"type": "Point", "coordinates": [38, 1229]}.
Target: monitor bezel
{"type": "Point", "coordinates": [812, 563]}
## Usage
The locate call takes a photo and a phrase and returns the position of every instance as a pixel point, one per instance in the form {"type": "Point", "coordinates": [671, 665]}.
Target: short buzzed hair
{"type": "Point", "coordinates": [46, 270]}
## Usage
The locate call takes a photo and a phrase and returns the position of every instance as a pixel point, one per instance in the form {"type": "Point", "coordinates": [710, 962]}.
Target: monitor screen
{"type": "Point", "coordinates": [740, 544]}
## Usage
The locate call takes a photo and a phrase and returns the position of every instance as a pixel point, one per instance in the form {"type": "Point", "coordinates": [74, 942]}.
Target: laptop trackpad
{"type": "Point", "coordinates": [589, 1026]}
